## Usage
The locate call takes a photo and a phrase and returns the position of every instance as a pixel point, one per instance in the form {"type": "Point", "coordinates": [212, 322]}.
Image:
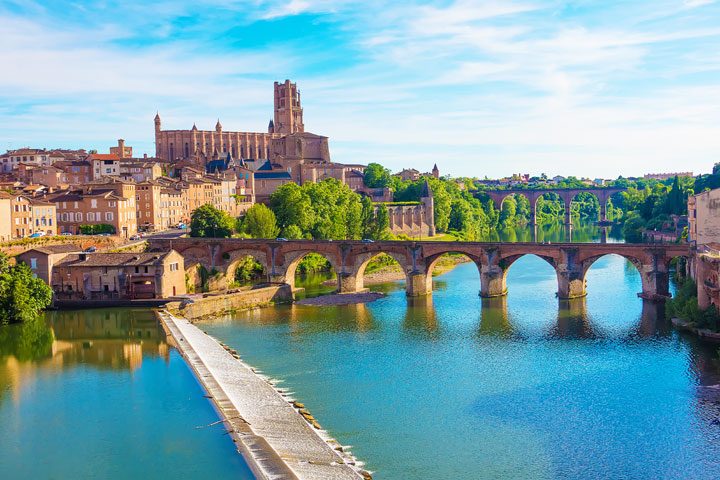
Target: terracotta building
{"type": "Point", "coordinates": [30, 215]}
{"type": "Point", "coordinates": [139, 171]}
{"type": "Point", "coordinates": [108, 276]}
{"type": "Point", "coordinates": [121, 150]}
{"type": "Point", "coordinates": [41, 260]}
{"type": "Point", "coordinates": [96, 205]}
{"type": "Point", "coordinates": [6, 231]}
{"type": "Point", "coordinates": [104, 165]}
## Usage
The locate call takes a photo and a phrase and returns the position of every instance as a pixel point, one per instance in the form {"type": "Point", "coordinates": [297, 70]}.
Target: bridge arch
{"type": "Point", "coordinates": [498, 285]}
{"type": "Point", "coordinates": [640, 265]}
{"type": "Point", "coordinates": [353, 280]}
{"type": "Point", "coordinates": [432, 261]}
{"type": "Point", "coordinates": [235, 257]}
{"type": "Point", "coordinates": [293, 259]}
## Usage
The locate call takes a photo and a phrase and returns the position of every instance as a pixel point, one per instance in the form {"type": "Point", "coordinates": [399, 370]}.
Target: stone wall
{"type": "Point", "coordinates": [213, 305]}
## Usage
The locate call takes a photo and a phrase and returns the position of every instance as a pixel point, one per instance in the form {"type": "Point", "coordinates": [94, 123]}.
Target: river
{"type": "Point", "coordinates": [455, 387]}
{"type": "Point", "coordinates": [445, 387]}
{"type": "Point", "coordinates": [101, 394]}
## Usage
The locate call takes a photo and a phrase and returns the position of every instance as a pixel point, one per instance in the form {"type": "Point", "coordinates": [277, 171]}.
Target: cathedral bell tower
{"type": "Point", "coordinates": [288, 110]}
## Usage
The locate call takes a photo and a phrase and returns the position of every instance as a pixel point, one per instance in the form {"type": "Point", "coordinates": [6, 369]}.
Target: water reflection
{"type": "Point", "coordinates": [105, 339]}
{"type": "Point", "coordinates": [653, 322]}
{"type": "Point", "coordinates": [494, 317]}
{"type": "Point", "coordinates": [83, 392]}
{"type": "Point", "coordinates": [420, 317]}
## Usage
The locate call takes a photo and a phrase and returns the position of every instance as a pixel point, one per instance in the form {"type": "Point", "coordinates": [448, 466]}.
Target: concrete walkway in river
{"type": "Point", "coordinates": [276, 441]}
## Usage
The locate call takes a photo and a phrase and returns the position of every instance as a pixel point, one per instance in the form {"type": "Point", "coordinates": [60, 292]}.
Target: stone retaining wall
{"type": "Point", "coordinates": [219, 304]}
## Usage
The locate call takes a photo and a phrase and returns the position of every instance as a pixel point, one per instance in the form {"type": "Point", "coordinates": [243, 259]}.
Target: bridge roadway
{"type": "Point", "coordinates": [349, 259]}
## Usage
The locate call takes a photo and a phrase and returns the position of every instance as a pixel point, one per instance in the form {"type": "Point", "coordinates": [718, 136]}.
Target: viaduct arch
{"type": "Point", "coordinates": [567, 195]}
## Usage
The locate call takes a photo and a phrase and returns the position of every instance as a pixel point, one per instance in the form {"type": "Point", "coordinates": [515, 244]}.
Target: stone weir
{"type": "Point", "coordinates": [277, 438]}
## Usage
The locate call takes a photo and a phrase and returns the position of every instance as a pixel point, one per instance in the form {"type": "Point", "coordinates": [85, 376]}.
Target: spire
{"type": "Point", "coordinates": [271, 126]}
{"type": "Point", "coordinates": [194, 129]}
{"type": "Point", "coordinates": [218, 127]}
{"type": "Point", "coordinates": [157, 117]}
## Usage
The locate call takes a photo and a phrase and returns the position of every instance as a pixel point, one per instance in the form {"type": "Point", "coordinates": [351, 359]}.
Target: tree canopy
{"type": "Point", "coordinates": [377, 176]}
{"type": "Point", "coordinates": [208, 221]}
{"type": "Point", "coordinates": [22, 295]}
{"type": "Point", "coordinates": [260, 222]}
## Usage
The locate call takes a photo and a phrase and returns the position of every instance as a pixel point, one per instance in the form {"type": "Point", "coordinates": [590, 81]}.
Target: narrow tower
{"type": "Point", "coordinates": [158, 143]}
{"type": "Point", "coordinates": [288, 110]}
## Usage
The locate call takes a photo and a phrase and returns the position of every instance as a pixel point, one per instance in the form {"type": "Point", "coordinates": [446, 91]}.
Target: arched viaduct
{"type": "Point", "coordinates": [571, 261]}
{"type": "Point", "coordinates": [567, 195]}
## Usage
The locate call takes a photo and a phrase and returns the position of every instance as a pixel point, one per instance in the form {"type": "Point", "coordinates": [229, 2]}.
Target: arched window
{"type": "Point", "coordinates": [78, 216]}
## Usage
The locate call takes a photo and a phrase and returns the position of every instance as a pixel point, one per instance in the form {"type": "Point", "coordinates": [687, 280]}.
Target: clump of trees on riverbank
{"type": "Point", "coordinates": [684, 305]}
{"type": "Point", "coordinates": [22, 295]}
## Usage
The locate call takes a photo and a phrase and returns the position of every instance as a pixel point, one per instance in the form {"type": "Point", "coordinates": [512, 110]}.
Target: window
{"type": "Point", "coordinates": [109, 216]}
{"type": "Point", "coordinates": [33, 263]}
{"type": "Point", "coordinates": [93, 203]}
{"type": "Point", "coordinates": [90, 217]}
{"type": "Point", "coordinates": [78, 217]}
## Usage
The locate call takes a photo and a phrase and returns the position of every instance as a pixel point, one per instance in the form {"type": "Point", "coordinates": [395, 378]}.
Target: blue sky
{"type": "Point", "coordinates": [482, 88]}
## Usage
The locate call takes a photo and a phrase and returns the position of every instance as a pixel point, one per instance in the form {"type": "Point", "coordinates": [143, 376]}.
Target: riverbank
{"type": "Point", "coordinates": [703, 333]}
{"type": "Point", "coordinates": [277, 437]}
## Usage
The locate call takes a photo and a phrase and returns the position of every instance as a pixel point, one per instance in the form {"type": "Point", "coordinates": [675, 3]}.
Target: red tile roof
{"type": "Point", "coordinates": [103, 156]}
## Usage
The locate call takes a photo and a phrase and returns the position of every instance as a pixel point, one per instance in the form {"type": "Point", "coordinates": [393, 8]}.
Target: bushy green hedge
{"type": "Point", "coordinates": [97, 229]}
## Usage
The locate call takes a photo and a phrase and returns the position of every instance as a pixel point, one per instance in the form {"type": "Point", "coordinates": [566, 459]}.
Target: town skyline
{"type": "Point", "coordinates": [481, 91]}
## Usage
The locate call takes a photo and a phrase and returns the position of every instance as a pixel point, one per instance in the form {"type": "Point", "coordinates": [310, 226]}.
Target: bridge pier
{"type": "Point", "coordinates": [492, 281]}
{"type": "Point", "coordinates": [655, 283]}
{"type": "Point", "coordinates": [347, 283]}
{"type": "Point", "coordinates": [570, 285]}
{"type": "Point", "coordinates": [418, 284]}
{"type": "Point", "coordinates": [570, 275]}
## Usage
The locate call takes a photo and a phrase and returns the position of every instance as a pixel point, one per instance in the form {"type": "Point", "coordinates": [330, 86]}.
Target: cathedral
{"type": "Point", "coordinates": [285, 153]}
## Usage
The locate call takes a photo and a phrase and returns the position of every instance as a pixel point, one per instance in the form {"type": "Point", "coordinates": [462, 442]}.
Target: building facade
{"type": "Point", "coordinates": [109, 276]}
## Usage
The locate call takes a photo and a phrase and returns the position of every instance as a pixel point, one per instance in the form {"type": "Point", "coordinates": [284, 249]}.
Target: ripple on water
{"type": "Point", "coordinates": [453, 386]}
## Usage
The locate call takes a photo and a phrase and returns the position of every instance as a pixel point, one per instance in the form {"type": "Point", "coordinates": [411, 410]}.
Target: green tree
{"type": "Point", "coordinates": [367, 217]}
{"type": "Point", "coordinates": [292, 232]}
{"type": "Point", "coordinates": [507, 213]}
{"type": "Point", "coordinates": [633, 228]}
{"type": "Point", "coordinates": [260, 222]}
{"type": "Point", "coordinates": [292, 206]}
{"type": "Point", "coordinates": [208, 221]}
{"type": "Point", "coordinates": [377, 176]}
{"type": "Point", "coordinates": [22, 295]}
{"type": "Point", "coordinates": [382, 223]}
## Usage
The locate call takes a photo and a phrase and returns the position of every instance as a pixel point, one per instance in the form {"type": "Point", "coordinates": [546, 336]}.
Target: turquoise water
{"type": "Point", "coordinates": [456, 387]}
{"type": "Point", "coordinates": [100, 394]}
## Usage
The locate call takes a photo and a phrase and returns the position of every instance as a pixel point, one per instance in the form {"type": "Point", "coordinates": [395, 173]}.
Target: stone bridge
{"type": "Point", "coordinates": [567, 195]}
{"type": "Point", "coordinates": [349, 259]}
